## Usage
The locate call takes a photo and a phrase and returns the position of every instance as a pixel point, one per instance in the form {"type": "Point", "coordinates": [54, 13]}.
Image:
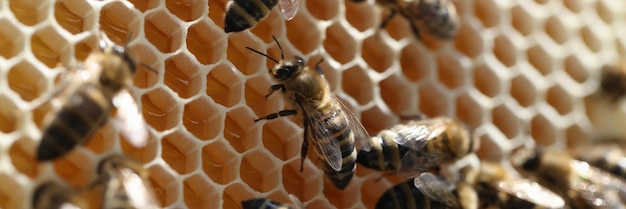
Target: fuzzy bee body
{"type": "Point", "coordinates": [264, 203]}
{"type": "Point", "coordinates": [332, 129]}
{"type": "Point", "coordinates": [125, 184]}
{"type": "Point", "coordinates": [417, 146]}
{"type": "Point", "coordinates": [51, 195]}
{"type": "Point", "coordinates": [406, 196]}
{"type": "Point", "coordinates": [609, 156]}
{"type": "Point", "coordinates": [243, 14]}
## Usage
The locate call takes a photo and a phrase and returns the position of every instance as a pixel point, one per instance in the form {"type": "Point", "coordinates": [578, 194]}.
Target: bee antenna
{"type": "Point", "coordinates": [149, 68]}
{"type": "Point", "coordinates": [282, 55]}
{"type": "Point", "coordinates": [261, 53]}
{"type": "Point", "coordinates": [317, 66]}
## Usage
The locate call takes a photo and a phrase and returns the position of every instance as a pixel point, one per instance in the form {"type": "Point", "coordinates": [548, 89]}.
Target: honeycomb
{"type": "Point", "coordinates": [519, 70]}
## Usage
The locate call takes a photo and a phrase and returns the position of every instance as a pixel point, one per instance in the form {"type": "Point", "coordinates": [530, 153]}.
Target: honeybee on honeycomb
{"type": "Point", "coordinates": [437, 17]}
{"type": "Point", "coordinates": [578, 183]}
{"type": "Point", "coordinates": [89, 95]}
{"type": "Point", "coordinates": [606, 154]}
{"type": "Point", "coordinates": [264, 203]}
{"type": "Point", "coordinates": [243, 14]}
{"type": "Point", "coordinates": [125, 183]}
{"type": "Point", "coordinates": [333, 130]}
{"type": "Point", "coordinates": [50, 195]}
{"type": "Point", "coordinates": [406, 195]}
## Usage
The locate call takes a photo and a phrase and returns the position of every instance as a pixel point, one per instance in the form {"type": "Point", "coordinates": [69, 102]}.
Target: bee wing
{"type": "Point", "coordinates": [318, 132]}
{"type": "Point", "coordinates": [532, 192]}
{"type": "Point", "coordinates": [289, 8]}
{"type": "Point", "coordinates": [140, 193]}
{"type": "Point", "coordinates": [415, 134]}
{"type": "Point", "coordinates": [415, 162]}
{"type": "Point", "coordinates": [436, 189]}
{"type": "Point", "coordinates": [361, 137]}
{"type": "Point", "coordinates": [131, 122]}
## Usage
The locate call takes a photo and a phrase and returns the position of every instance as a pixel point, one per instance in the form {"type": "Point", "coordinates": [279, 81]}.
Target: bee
{"type": "Point", "coordinates": [406, 196]}
{"type": "Point", "coordinates": [497, 188]}
{"type": "Point", "coordinates": [417, 146]}
{"type": "Point", "coordinates": [243, 14]}
{"type": "Point", "coordinates": [613, 82]}
{"type": "Point", "coordinates": [89, 95]}
{"type": "Point", "coordinates": [53, 195]}
{"type": "Point", "coordinates": [437, 17]}
{"type": "Point", "coordinates": [125, 183]}
{"type": "Point", "coordinates": [578, 183]}
{"type": "Point", "coordinates": [609, 155]}
{"type": "Point", "coordinates": [263, 203]}
{"type": "Point", "coordinates": [332, 129]}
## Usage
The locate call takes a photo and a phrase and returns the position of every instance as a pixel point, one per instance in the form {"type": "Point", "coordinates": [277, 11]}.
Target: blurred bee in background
{"type": "Point", "coordinates": [89, 95]}
{"type": "Point", "coordinates": [264, 203]}
{"type": "Point", "coordinates": [53, 195]}
{"type": "Point", "coordinates": [437, 17]}
{"type": "Point", "coordinates": [328, 124]}
{"type": "Point", "coordinates": [613, 82]}
{"type": "Point", "coordinates": [417, 146]}
{"type": "Point", "coordinates": [125, 183]}
{"type": "Point", "coordinates": [608, 155]}
{"type": "Point", "coordinates": [578, 183]}
{"type": "Point", "coordinates": [243, 14]}
{"type": "Point", "coordinates": [406, 196]}
{"type": "Point", "coordinates": [497, 188]}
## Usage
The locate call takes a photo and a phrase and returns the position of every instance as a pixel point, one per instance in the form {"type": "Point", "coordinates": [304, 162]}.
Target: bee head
{"type": "Point", "coordinates": [120, 51]}
{"type": "Point", "coordinates": [286, 69]}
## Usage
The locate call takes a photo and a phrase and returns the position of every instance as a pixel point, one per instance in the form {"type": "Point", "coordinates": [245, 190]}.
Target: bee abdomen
{"type": "Point", "coordinates": [243, 14]}
{"type": "Point", "coordinates": [262, 203]}
{"type": "Point", "coordinates": [406, 196]}
{"type": "Point", "coordinates": [345, 139]}
{"type": "Point", "coordinates": [385, 154]}
{"type": "Point", "coordinates": [79, 118]}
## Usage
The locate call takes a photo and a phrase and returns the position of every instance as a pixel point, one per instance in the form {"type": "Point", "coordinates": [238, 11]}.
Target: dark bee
{"type": "Point", "coordinates": [243, 14]}
{"type": "Point", "coordinates": [89, 94]}
{"type": "Point", "coordinates": [417, 146]}
{"type": "Point", "coordinates": [263, 203]}
{"type": "Point", "coordinates": [51, 195]}
{"type": "Point", "coordinates": [578, 183]}
{"type": "Point", "coordinates": [406, 196]}
{"type": "Point", "coordinates": [328, 124]}
{"type": "Point", "coordinates": [613, 82]}
{"type": "Point", "coordinates": [125, 183]}
{"type": "Point", "coordinates": [608, 155]}
{"type": "Point", "coordinates": [437, 17]}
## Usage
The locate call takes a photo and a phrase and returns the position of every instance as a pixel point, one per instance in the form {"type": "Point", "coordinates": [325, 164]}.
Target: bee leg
{"type": "Point", "coordinates": [274, 88]}
{"type": "Point", "coordinates": [413, 117]}
{"type": "Point", "coordinates": [387, 19]}
{"type": "Point", "coordinates": [416, 31]}
{"type": "Point", "coordinates": [273, 116]}
{"type": "Point", "coordinates": [305, 146]}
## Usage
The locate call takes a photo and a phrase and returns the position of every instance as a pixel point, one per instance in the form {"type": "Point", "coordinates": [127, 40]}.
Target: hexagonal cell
{"type": "Point", "coordinates": [339, 44]}
{"type": "Point", "coordinates": [143, 5]}
{"type": "Point", "coordinates": [206, 42]}
{"type": "Point", "coordinates": [341, 198]}
{"type": "Point", "coordinates": [12, 194]}
{"type": "Point", "coordinates": [118, 21]}
{"type": "Point", "coordinates": [542, 130]}
{"type": "Point", "coordinates": [370, 196]}
{"type": "Point", "coordinates": [359, 15]}
{"type": "Point", "coordinates": [25, 80]}
{"type": "Point", "coordinates": [283, 139]}
{"type": "Point", "coordinates": [29, 12]}
{"type": "Point", "coordinates": [256, 89]}
{"type": "Point", "coordinates": [319, 203]}
{"type": "Point", "coordinates": [591, 39]}
{"type": "Point", "coordinates": [488, 149]}
{"type": "Point", "coordinates": [272, 25]}
{"type": "Point", "coordinates": [397, 93]}
{"type": "Point", "coordinates": [180, 152]}
{"type": "Point", "coordinates": [556, 30]}
{"type": "Point", "coordinates": [575, 69]}
{"type": "Point", "coordinates": [487, 12]}
{"type": "Point", "coordinates": [41, 112]}
{"type": "Point", "coordinates": [74, 16]}
{"type": "Point", "coordinates": [160, 109]}
{"type": "Point", "coordinates": [450, 72]}
{"type": "Point", "coordinates": [8, 115]}
{"type": "Point", "coordinates": [306, 184]}
{"type": "Point", "coordinates": [144, 77]}
{"type": "Point", "coordinates": [398, 27]}
{"type": "Point", "coordinates": [219, 162]}
{"type": "Point", "coordinates": [417, 62]}
{"type": "Point", "coordinates": [103, 140]}
{"type": "Point", "coordinates": [202, 118]}
{"type": "Point", "coordinates": [142, 154]}
{"type": "Point", "coordinates": [358, 84]}
{"type": "Point", "coordinates": [505, 51]}
{"type": "Point", "coordinates": [199, 192]}
{"type": "Point", "coordinates": [433, 101]}
{"type": "Point", "coordinates": [540, 59]}
{"type": "Point", "coordinates": [504, 118]}
{"type": "Point", "coordinates": [217, 9]}
{"type": "Point", "coordinates": [246, 61]}
{"type": "Point", "coordinates": [523, 91]}
{"type": "Point", "coordinates": [49, 47]}
{"type": "Point", "coordinates": [182, 75]}
{"type": "Point", "coordinates": [522, 21]}
{"type": "Point", "coordinates": [377, 53]}
{"type": "Point", "coordinates": [76, 168]}
{"type": "Point", "coordinates": [469, 110]}
{"type": "Point", "coordinates": [486, 81]}
{"type": "Point", "coordinates": [234, 194]}
{"type": "Point", "coordinates": [165, 185]}
{"type": "Point", "coordinates": [604, 12]}
{"type": "Point", "coordinates": [573, 5]}
{"type": "Point", "coordinates": [560, 99]}
{"type": "Point", "coordinates": [323, 10]}
{"type": "Point", "coordinates": [374, 120]}
{"type": "Point", "coordinates": [259, 171]}
{"type": "Point", "coordinates": [471, 44]}
{"type": "Point", "coordinates": [576, 136]}
{"type": "Point", "coordinates": [163, 31]}
{"type": "Point", "coordinates": [22, 157]}
{"type": "Point", "coordinates": [301, 36]}
{"type": "Point", "coordinates": [11, 39]}
{"type": "Point", "coordinates": [224, 85]}
{"type": "Point", "coordinates": [85, 46]}
{"type": "Point", "coordinates": [186, 10]}
{"type": "Point", "coordinates": [240, 130]}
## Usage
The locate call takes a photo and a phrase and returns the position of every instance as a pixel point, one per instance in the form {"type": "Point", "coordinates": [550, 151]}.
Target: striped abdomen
{"type": "Point", "coordinates": [262, 203]}
{"type": "Point", "coordinates": [336, 123]}
{"type": "Point", "coordinates": [82, 114]}
{"type": "Point", "coordinates": [406, 196]}
{"type": "Point", "coordinates": [243, 14]}
{"type": "Point", "coordinates": [385, 155]}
